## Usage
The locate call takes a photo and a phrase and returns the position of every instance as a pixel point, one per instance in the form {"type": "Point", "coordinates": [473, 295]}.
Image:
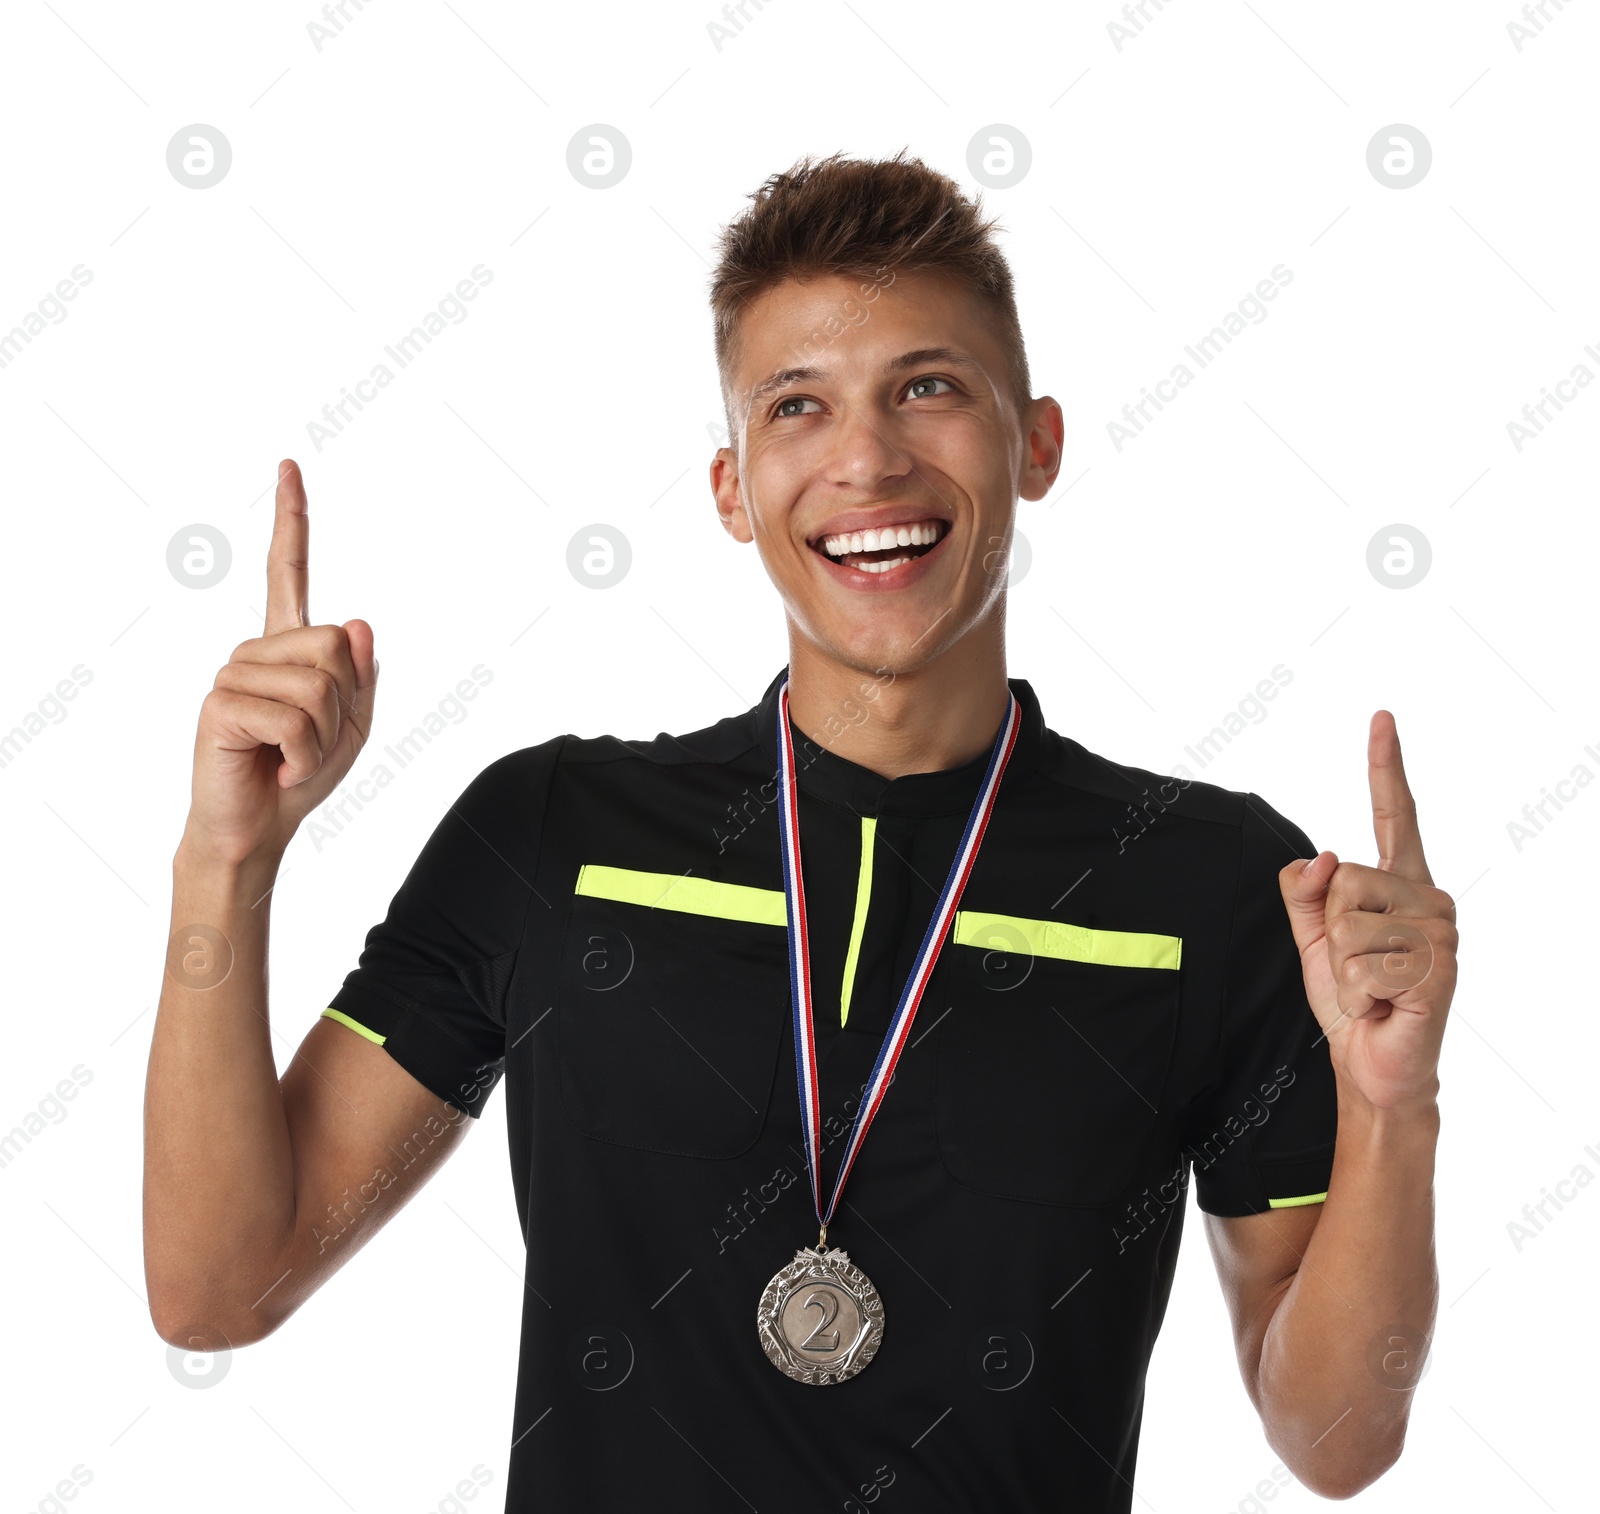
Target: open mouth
{"type": "Point", "coordinates": [883, 550]}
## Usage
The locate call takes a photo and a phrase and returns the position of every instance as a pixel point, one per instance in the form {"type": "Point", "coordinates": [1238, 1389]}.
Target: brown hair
{"type": "Point", "coordinates": [863, 219]}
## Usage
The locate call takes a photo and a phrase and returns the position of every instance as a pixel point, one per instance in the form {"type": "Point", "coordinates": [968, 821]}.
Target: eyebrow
{"type": "Point", "coordinates": [952, 356]}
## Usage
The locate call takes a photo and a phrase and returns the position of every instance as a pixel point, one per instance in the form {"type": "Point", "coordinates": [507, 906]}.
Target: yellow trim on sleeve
{"type": "Point", "coordinates": [685, 892]}
{"type": "Point", "coordinates": [1069, 943]}
{"type": "Point", "coordinates": [1307, 1198]}
{"type": "Point", "coordinates": [869, 830]}
{"type": "Point", "coordinates": [359, 1029]}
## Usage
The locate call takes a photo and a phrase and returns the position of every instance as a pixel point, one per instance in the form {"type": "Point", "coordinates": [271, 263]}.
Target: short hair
{"type": "Point", "coordinates": [861, 218]}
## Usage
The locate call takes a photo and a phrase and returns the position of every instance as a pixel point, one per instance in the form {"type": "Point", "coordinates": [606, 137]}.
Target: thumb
{"type": "Point", "coordinates": [362, 657]}
{"type": "Point", "coordinates": [1304, 886]}
{"type": "Point", "coordinates": [359, 635]}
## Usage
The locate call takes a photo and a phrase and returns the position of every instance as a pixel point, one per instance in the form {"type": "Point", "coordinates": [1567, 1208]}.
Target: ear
{"type": "Point", "coordinates": [1046, 431]}
{"type": "Point", "coordinates": [730, 501]}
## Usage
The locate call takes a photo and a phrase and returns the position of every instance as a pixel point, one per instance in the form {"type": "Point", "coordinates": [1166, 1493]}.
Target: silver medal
{"type": "Point", "coordinates": [820, 1319]}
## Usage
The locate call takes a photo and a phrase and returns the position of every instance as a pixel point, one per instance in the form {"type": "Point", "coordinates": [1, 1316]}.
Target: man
{"type": "Point", "coordinates": [886, 923]}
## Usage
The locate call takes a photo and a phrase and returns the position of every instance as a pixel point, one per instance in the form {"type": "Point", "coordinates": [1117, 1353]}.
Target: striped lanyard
{"type": "Point", "coordinates": [805, 1053]}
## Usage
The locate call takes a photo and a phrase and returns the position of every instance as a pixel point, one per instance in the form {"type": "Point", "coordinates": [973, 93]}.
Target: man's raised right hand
{"type": "Point", "coordinates": [286, 716]}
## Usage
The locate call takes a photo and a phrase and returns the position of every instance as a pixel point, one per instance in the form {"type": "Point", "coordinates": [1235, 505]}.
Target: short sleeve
{"type": "Point", "coordinates": [1261, 1133]}
{"type": "Point", "coordinates": [429, 986]}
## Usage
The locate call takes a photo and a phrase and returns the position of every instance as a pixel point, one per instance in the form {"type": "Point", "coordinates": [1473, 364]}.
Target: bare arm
{"type": "Point", "coordinates": [253, 1188]}
{"type": "Point", "coordinates": [256, 1191]}
{"type": "Point", "coordinates": [1332, 1303]}
{"type": "Point", "coordinates": [1333, 1345]}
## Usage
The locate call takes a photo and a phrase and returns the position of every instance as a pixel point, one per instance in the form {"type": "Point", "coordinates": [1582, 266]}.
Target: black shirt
{"type": "Point", "coordinates": [601, 921]}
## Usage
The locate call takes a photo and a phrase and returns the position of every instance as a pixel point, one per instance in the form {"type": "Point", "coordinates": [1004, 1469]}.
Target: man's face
{"type": "Point", "coordinates": [865, 406]}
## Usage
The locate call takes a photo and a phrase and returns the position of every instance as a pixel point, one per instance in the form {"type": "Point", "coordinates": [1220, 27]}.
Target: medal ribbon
{"type": "Point", "coordinates": [911, 995]}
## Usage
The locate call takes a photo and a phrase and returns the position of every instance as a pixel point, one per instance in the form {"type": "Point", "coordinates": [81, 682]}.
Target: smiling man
{"type": "Point", "coordinates": [857, 1061]}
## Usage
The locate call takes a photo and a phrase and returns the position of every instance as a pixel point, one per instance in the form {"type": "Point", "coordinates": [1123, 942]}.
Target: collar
{"type": "Point", "coordinates": [825, 774]}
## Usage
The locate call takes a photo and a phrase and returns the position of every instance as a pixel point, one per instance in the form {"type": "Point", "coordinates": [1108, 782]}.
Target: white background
{"type": "Point", "coordinates": [1166, 579]}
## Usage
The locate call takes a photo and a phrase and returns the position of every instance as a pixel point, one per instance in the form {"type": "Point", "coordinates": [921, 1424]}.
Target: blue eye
{"type": "Point", "coordinates": [780, 411]}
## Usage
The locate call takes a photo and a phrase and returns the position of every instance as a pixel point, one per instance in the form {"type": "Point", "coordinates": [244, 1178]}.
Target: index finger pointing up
{"type": "Point", "coordinates": [1394, 811]}
{"type": "Point", "coordinates": [287, 557]}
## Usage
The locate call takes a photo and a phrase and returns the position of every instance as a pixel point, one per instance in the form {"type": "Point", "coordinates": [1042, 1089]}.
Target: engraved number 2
{"type": "Point", "coordinates": [829, 1304]}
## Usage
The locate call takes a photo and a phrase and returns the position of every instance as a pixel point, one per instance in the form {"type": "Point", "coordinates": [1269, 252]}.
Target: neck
{"type": "Point", "coordinates": [941, 715]}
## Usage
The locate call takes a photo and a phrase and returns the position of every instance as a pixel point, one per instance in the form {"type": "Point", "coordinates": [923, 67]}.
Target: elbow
{"type": "Point", "coordinates": [207, 1328]}
{"type": "Point", "coordinates": [213, 1303]}
{"type": "Point", "coordinates": [1349, 1475]}
{"type": "Point", "coordinates": [1341, 1483]}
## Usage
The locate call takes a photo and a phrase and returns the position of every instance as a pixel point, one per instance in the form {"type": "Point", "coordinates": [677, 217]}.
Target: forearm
{"type": "Point", "coordinates": [1344, 1347]}
{"type": "Point", "coordinates": [218, 1165]}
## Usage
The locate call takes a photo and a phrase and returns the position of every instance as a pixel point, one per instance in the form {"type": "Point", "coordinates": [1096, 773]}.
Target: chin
{"type": "Point", "coordinates": [881, 652]}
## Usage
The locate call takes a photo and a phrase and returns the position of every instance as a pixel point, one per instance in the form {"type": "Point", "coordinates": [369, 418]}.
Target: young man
{"type": "Point", "coordinates": [886, 922]}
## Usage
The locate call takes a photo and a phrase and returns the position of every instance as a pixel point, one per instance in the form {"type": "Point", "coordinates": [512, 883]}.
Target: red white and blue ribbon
{"type": "Point", "coordinates": [932, 942]}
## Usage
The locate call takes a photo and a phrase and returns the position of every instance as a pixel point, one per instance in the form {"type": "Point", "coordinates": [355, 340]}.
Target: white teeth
{"type": "Point", "coordinates": [922, 533]}
{"type": "Point", "coordinates": [879, 567]}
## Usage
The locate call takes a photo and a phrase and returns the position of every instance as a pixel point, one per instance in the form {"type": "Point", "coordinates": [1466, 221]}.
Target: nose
{"type": "Point", "coordinates": [863, 454]}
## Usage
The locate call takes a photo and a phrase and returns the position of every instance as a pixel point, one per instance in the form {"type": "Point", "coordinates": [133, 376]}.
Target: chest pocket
{"type": "Point", "coordinates": [1050, 1067]}
{"type": "Point", "coordinates": [671, 1007]}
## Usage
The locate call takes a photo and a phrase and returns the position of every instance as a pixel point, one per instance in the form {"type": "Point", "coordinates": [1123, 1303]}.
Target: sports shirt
{"type": "Point", "coordinates": [601, 923]}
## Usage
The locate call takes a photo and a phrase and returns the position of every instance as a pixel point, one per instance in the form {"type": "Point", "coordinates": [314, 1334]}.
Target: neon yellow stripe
{"type": "Point", "coordinates": [1308, 1198]}
{"type": "Point", "coordinates": [1070, 943]}
{"type": "Point", "coordinates": [694, 896]}
{"type": "Point", "coordinates": [360, 1030]}
{"type": "Point", "coordinates": [869, 829]}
